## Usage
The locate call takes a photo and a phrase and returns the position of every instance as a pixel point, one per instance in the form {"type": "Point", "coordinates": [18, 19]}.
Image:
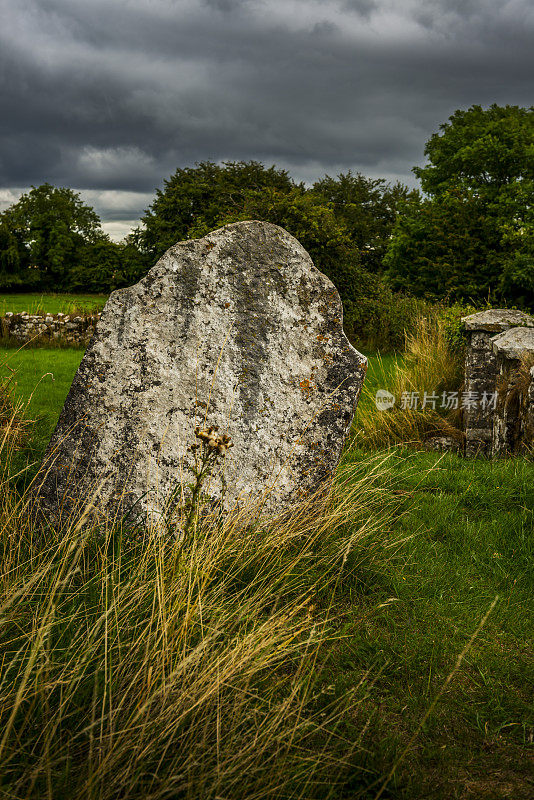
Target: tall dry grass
{"type": "Point", "coordinates": [15, 425]}
{"type": "Point", "coordinates": [144, 667]}
{"type": "Point", "coordinates": [430, 363]}
{"type": "Point", "coordinates": [514, 400]}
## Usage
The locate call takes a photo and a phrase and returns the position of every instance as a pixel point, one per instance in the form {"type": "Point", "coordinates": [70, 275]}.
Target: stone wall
{"type": "Point", "coordinates": [529, 416]}
{"type": "Point", "coordinates": [513, 429]}
{"type": "Point", "coordinates": [484, 369]}
{"type": "Point", "coordinates": [61, 328]}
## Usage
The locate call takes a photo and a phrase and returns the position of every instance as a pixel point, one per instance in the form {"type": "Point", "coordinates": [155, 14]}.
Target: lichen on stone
{"type": "Point", "coordinates": [213, 335]}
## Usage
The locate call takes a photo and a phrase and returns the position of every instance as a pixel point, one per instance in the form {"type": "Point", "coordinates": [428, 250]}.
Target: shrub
{"type": "Point", "coordinates": [454, 327]}
{"type": "Point", "coordinates": [380, 319]}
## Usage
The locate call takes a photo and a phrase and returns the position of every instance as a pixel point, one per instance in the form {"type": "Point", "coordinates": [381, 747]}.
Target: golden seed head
{"type": "Point", "coordinates": [210, 438]}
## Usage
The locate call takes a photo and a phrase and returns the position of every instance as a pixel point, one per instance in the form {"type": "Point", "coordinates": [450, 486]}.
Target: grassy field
{"type": "Point", "coordinates": [51, 303]}
{"type": "Point", "coordinates": [468, 537]}
{"type": "Point", "coordinates": [431, 543]}
{"type": "Point", "coordinates": [41, 378]}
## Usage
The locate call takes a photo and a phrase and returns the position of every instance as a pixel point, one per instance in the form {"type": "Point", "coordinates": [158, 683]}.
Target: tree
{"type": "Point", "coordinates": [105, 265]}
{"type": "Point", "coordinates": [444, 249]}
{"type": "Point", "coordinates": [44, 236]}
{"type": "Point", "coordinates": [14, 263]}
{"type": "Point", "coordinates": [517, 277]}
{"type": "Point", "coordinates": [368, 208]}
{"type": "Point", "coordinates": [472, 237]}
{"type": "Point", "coordinates": [480, 151]}
{"type": "Point", "coordinates": [196, 197]}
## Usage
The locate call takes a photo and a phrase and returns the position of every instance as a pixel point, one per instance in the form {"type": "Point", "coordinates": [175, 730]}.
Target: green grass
{"type": "Point", "coordinates": [41, 378]}
{"type": "Point", "coordinates": [52, 303]}
{"type": "Point", "coordinates": [468, 532]}
{"type": "Point", "coordinates": [379, 368]}
{"type": "Point", "coordinates": [402, 608]}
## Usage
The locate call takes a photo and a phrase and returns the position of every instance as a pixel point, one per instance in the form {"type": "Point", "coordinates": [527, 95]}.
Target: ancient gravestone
{"type": "Point", "coordinates": [238, 329]}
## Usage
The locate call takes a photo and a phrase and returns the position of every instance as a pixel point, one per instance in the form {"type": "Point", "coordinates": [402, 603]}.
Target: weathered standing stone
{"type": "Point", "coordinates": [238, 329]}
{"type": "Point", "coordinates": [481, 373]}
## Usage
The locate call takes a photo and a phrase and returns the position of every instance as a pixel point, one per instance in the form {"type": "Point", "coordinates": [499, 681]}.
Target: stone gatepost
{"type": "Point", "coordinates": [513, 427]}
{"type": "Point", "coordinates": [481, 373]}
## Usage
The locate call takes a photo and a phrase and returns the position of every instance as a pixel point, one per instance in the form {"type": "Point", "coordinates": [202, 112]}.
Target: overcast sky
{"type": "Point", "coordinates": [109, 97]}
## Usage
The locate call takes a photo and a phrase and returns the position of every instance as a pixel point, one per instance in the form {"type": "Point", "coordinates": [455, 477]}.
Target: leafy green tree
{"type": "Point", "coordinates": [472, 237]}
{"type": "Point", "coordinates": [447, 249]}
{"type": "Point", "coordinates": [105, 265]}
{"type": "Point", "coordinates": [196, 197]}
{"type": "Point", "coordinates": [368, 208]}
{"type": "Point", "coordinates": [45, 235]}
{"type": "Point", "coordinates": [132, 265]}
{"type": "Point", "coordinates": [480, 151]}
{"type": "Point", "coordinates": [14, 262]}
{"type": "Point", "coordinates": [517, 228]}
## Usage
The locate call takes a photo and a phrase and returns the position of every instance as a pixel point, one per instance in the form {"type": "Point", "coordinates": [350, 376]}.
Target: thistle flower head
{"type": "Point", "coordinates": [213, 440]}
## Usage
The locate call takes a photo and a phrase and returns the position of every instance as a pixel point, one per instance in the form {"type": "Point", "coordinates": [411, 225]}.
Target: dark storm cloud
{"type": "Point", "coordinates": [112, 97]}
{"type": "Point", "coordinates": [363, 7]}
{"type": "Point", "coordinates": [225, 5]}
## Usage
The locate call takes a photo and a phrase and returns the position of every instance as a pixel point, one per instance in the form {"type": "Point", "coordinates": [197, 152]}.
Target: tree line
{"type": "Point", "coordinates": [467, 235]}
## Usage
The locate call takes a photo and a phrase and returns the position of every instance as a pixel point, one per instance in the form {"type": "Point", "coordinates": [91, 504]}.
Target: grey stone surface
{"type": "Point", "coordinates": [511, 344]}
{"type": "Point", "coordinates": [494, 320]}
{"type": "Point", "coordinates": [481, 372]}
{"type": "Point", "coordinates": [443, 444]}
{"type": "Point", "coordinates": [513, 427]}
{"type": "Point", "coordinates": [237, 329]}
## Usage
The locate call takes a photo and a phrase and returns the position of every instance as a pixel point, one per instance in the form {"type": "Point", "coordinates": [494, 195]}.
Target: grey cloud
{"type": "Point", "coordinates": [362, 7]}
{"type": "Point", "coordinates": [225, 5]}
{"type": "Point", "coordinates": [114, 96]}
{"type": "Point", "coordinates": [432, 13]}
{"type": "Point", "coordinates": [484, 22]}
{"type": "Point", "coordinates": [324, 28]}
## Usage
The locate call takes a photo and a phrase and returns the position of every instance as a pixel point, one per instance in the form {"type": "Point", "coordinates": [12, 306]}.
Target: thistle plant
{"type": "Point", "coordinates": [208, 451]}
